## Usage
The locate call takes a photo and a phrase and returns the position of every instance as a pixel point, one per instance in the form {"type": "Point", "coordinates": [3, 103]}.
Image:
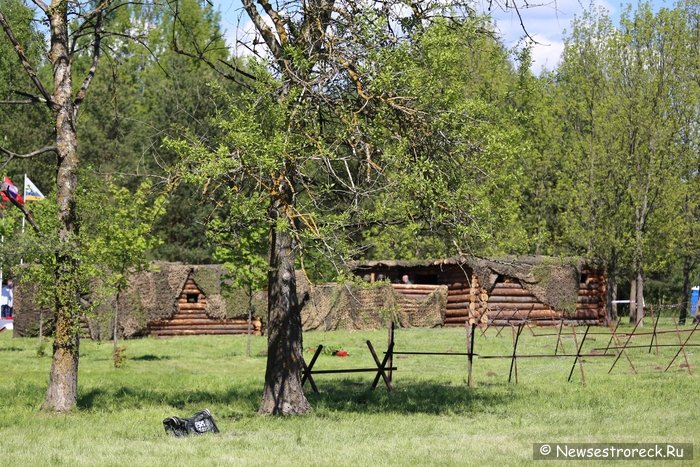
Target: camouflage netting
{"type": "Point", "coordinates": [430, 311]}
{"type": "Point", "coordinates": [553, 281]}
{"type": "Point", "coordinates": [353, 307]}
{"type": "Point", "coordinates": [150, 295]}
{"type": "Point", "coordinates": [27, 312]}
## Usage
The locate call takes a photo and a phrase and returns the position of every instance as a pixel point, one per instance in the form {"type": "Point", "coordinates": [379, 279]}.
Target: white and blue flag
{"type": "Point", "coordinates": [31, 192]}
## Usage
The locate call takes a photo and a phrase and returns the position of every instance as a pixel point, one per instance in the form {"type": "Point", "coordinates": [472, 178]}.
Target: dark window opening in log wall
{"type": "Point", "coordinates": [426, 279]}
{"type": "Point", "coordinates": [192, 298]}
{"type": "Point", "coordinates": [500, 279]}
{"type": "Point", "coordinates": [584, 278]}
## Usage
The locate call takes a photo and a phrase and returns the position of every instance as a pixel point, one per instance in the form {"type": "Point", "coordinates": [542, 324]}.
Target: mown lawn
{"type": "Point", "coordinates": [432, 418]}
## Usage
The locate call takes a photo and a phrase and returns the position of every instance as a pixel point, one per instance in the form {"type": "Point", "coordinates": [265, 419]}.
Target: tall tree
{"type": "Point", "coordinates": [67, 23]}
{"type": "Point", "coordinates": [626, 91]}
{"type": "Point", "coordinates": [335, 117]}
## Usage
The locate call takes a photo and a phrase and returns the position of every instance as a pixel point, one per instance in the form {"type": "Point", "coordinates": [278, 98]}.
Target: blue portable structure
{"type": "Point", "coordinates": [694, 295]}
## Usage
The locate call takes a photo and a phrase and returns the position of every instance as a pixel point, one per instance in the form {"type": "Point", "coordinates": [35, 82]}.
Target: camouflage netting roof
{"type": "Point", "coordinates": [554, 281]}
{"type": "Point", "coordinates": [152, 295]}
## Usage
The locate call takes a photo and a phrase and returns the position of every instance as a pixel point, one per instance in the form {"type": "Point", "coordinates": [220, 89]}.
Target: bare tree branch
{"type": "Point", "coordinates": [93, 67]}
{"type": "Point", "coordinates": [98, 10]}
{"type": "Point", "coordinates": [12, 155]}
{"type": "Point", "coordinates": [25, 212]}
{"type": "Point", "coordinates": [277, 20]}
{"type": "Point", "coordinates": [266, 33]}
{"type": "Point", "coordinates": [41, 5]}
{"type": "Point", "coordinates": [18, 102]}
{"type": "Point", "coordinates": [25, 61]}
{"type": "Point", "coordinates": [201, 55]}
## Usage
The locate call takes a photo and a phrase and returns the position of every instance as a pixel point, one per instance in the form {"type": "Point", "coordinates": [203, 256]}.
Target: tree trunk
{"type": "Point", "coordinates": [115, 330]}
{"type": "Point", "coordinates": [685, 305]}
{"type": "Point", "coordinates": [611, 297]}
{"type": "Point", "coordinates": [640, 298]}
{"type": "Point", "coordinates": [611, 290]}
{"type": "Point", "coordinates": [283, 394]}
{"type": "Point", "coordinates": [633, 301]}
{"type": "Point", "coordinates": [61, 395]}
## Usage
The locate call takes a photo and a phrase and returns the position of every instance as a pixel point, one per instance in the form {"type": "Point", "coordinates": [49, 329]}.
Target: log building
{"type": "Point", "coordinates": [539, 289]}
{"type": "Point", "coordinates": [170, 299]}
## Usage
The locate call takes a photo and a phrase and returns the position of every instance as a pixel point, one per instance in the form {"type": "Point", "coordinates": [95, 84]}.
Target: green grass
{"type": "Point", "coordinates": [432, 418]}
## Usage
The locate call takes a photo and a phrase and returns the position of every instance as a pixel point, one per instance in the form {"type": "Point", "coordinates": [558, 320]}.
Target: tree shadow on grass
{"type": "Point", "coordinates": [427, 397]}
{"type": "Point", "coordinates": [149, 358]}
{"type": "Point", "coordinates": [137, 398]}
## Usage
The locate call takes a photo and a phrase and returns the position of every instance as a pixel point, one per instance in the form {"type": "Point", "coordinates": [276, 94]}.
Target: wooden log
{"type": "Point", "coordinates": [512, 314]}
{"type": "Point", "coordinates": [452, 292]}
{"type": "Point", "coordinates": [456, 313]}
{"type": "Point", "coordinates": [202, 328]}
{"type": "Point", "coordinates": [190, 315]}
{"type": "Point", "coordinates": [544, 322]}
{"type": "Point", "coordinates": [192, 306]}
{"type": "Point", "coordinates": [199, 322]}
{"type": "Point", "coordinates": [215, 323]}
{"type": "Point", "coordinates": [412, 294]}
{"type": "Point", "coordinates": [588, 314]}
{"type": "Point", "coordinates": [497, 292]}
{"type": "Point", "coordinates": [508, 285]}
{"type": "Point", "coordinates": [589, 293]}
{"type": "Point", "coordinates": [505, 299]}
{"type": "Point", "coordinates": [588, 300]}
{"type": "Point", "coordinates": [517, 306]}
{"type": "Point", "coordinates": [460, 298]}
{"type": "Point", "coordinates": [182, 332]}
{"type": "Point", "coordinates": [457, 306]}
{"type": "Point", "coordinates": [424, 287]}
{"type": "Point", "coordinates": [456, 321]}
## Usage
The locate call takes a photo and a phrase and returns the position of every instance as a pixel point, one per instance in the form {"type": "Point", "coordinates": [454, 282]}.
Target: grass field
{"type": "Point", "coordinates": [432, 418]}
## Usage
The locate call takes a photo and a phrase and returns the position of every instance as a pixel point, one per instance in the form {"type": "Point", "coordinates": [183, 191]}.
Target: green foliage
{"type": "Point", "coordinates": [115, 236]}
{"type": "Point", "coordinates": [23, 127]}
{"type": "Point", "coordinates": [610, 172]}
{"type": "Point", "coordinates": [430, 177]}
{"type": "Point", "coordinates": [116, 230]}
{"type": "Point", "coordinates": [144, 92]}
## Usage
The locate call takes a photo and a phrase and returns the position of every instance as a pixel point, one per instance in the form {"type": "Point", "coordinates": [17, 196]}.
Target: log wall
{"type": "Point", "coordinates": [191, 318]}
{"type": "Point", "coordinates": [509, 301]}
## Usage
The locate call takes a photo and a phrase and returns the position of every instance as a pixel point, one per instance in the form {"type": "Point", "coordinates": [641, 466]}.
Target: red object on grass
{"type": "Point", "coordinates": [341, 353]}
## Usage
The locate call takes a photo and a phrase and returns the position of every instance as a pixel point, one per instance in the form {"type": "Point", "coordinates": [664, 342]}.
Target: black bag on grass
{"type": "Point", "coordinates": [200, 423]}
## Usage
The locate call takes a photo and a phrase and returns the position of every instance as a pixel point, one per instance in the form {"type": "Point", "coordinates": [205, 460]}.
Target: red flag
{"type": "Point", "coordinates": [10, 191]}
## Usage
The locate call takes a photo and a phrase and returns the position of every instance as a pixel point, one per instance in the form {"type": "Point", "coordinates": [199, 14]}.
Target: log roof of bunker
{"type": "Point", "coordinates": [554, 281]}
